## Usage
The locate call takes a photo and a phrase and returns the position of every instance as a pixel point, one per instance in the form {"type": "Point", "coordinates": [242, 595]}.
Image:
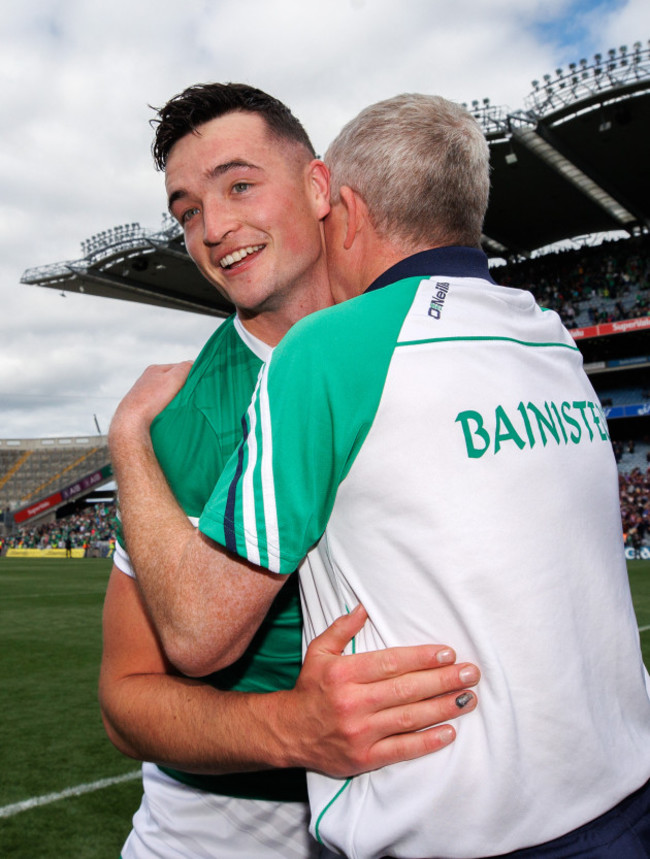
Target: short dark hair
{"type": "Point", "coordinates": [200, 103]}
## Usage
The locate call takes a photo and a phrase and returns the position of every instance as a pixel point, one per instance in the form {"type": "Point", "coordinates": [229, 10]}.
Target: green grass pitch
{"type": "Point", "coordinates": [51, 734]}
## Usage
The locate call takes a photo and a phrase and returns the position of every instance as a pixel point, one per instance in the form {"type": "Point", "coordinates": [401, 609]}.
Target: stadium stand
{"type": "Point", "coordinates": [634, 490]}
{"type": "Point", "coordinates": [90, 529]}
{"type": "Point", "coordinates": [39, 477]}
{"type": "Point", "coordinates": [590, 285]}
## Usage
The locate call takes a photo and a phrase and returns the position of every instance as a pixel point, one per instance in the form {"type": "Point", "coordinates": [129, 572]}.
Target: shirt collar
{"type": "Point", "coordinates": [258, 347]}
{"type": "Point", "coordinates": [450, 261]}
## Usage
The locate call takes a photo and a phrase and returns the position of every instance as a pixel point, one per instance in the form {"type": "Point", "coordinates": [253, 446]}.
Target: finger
{"type": "Point", "coordinates": [182, 368]}
{"type": "Point", "coordinates": [425, 734]}
{"type": "Point", "coordinates": [165, 368]}
{"type": "Point", "coordinates": [409, 732]}
{"type": "Point", "coordinates": [421, 686]}
{"type": "Point", "coordinates": [421, 714]}
{"type": "Point", "coordinates": [407, 747]}
{"type": "Point", "coordinates": [377, 665]}
{"type": "Point", "coordinates": [341, 632]}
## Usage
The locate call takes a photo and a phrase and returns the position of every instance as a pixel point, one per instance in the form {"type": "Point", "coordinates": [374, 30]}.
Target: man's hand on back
{"type": "Point", "coordinates": [355, 713]}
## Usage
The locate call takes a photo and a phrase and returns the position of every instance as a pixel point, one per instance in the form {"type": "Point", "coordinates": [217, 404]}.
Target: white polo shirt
{"type": "Point", "coordinates": [436, 451]}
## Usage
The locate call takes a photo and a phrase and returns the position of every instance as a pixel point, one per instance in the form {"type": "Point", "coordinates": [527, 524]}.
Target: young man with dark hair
{"type": "Point", "coordinates": [242, 180]}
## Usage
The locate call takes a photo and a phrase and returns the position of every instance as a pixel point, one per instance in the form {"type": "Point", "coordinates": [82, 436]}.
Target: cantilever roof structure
{"type": "Point", "coordinates": [135, 264]}
{"type": "Point", "coordinates": [575, 161]}
{"type": "Point", "coordinates": [571, 163]}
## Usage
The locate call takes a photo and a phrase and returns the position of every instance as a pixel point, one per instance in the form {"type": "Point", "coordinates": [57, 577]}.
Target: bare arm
{"type": "Point", "coordinates": [206, 604]}
{"type": "Point", "coordinates": [346, 714]}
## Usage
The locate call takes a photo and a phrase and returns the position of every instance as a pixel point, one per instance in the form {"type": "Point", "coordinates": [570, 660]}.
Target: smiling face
{"type": "Point", "coordinates": [251, 208]}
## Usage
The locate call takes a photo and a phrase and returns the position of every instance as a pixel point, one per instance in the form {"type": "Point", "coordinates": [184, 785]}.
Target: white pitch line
{"type": "Point", "coordinates": [644, 628]}
{"type": "Point", "coordinates": [10, 810]}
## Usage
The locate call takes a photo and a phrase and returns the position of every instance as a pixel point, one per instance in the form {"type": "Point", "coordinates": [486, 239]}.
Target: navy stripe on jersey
{"type": "Point", "coordinates": [229, 517]}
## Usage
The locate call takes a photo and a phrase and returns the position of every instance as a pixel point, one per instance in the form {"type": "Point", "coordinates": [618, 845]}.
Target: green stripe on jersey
{"type": "Point", "coordinates": [485, 339]}
{"type": "Point", "coordinates": [310, 385]}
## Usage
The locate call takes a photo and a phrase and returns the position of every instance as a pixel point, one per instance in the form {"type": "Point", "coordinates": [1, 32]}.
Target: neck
{"type": "Point", "coordinates": [382, 255]}
{"type": "Point", "coordinates": [272, 323]}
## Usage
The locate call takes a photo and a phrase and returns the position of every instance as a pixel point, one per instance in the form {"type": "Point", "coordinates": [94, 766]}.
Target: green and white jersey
{"type": "Point", "coordinates": [193, 438]}
{"type": "Point", "coordinates": [434, 450]}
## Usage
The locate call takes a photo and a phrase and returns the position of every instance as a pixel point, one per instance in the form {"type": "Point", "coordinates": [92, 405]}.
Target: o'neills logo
{"type": "Point", "coordinates": [438, 299]}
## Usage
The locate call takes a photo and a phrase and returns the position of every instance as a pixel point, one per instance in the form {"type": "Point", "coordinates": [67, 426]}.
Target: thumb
{"type": "Point", "coordinates": [341, 632]}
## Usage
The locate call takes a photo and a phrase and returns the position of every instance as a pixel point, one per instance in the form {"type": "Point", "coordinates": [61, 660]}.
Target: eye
{"type": "Point", "coordinates": [187, 215]}
{"type": "Point", "coordinates": [240, 187]}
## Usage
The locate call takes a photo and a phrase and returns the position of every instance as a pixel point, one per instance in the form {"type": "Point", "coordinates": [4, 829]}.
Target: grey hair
{"type": "Point", "coordinates": [421, 164]}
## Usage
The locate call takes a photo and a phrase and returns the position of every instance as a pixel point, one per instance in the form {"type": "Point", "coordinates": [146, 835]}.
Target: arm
{"type": "Point", "coordinates": [346, 714]}
{"type": "Point", "coordinates": [205, 603]}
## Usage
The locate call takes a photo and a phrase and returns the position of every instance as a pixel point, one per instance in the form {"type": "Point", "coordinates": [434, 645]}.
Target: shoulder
{"type": "Point", "coordinates": [363, 325]}
{"type": "Point", "coordinates": [216, 352]}
{"type": "Point", "coordinates": [354, 322]}
{"type": "Point", "coordinates": [221, 364]}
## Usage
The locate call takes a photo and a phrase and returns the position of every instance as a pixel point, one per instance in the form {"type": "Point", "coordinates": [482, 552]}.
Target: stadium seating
{"type": "Point", "coordinates": [33, 468]}
{"type": "Point", "coordinates": [91, 529]}
{"type": "Point", "coordinates": [588, 285]}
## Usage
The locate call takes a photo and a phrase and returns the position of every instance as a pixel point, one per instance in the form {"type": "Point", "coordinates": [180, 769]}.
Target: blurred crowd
{"type": "Point", "coordinates": [634, 491]}
{"type": "Point", "coordinates": [588, 286]}
{"type": "Point", "coordinates": [91, 529]}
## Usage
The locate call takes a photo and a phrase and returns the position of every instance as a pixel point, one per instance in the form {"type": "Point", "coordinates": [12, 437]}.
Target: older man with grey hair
{"type": "Point", "coordinates": [433, 450]}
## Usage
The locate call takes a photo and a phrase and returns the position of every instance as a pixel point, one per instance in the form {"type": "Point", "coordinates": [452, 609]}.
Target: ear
{"type": "Point", "coordinates": [356, 214]}
{"type": "Point", "coordinates": [319, 185]}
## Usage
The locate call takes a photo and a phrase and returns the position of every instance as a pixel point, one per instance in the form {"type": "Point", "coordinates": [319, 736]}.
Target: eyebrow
{"type": "Point", "coordinates": [215, 172]}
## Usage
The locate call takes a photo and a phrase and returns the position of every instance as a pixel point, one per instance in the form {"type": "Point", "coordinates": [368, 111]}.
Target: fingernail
{"type": "Point", "coordinates": [446, 734]}
{"type": "Point", "coordinates": [463, 700]}
{"type": "Point", "coordinates": [468, 674]}
{"type": "Point", "coordinates": [444, 657]}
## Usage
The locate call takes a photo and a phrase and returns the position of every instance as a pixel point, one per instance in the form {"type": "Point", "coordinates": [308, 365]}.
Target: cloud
{"type": "Point", "coordinates": [78, 79]}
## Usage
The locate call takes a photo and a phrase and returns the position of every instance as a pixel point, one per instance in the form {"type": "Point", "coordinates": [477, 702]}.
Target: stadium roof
{"type": "Point", "coordinates": [572, 163]}
{"type": "Point", "coordinates": [575, 161]}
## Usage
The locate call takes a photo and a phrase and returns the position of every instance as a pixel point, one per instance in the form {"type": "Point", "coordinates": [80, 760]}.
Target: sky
{"type": "Point", "coordinates": [76, 83]}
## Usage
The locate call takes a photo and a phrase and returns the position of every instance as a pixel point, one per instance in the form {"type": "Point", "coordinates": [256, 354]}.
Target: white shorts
{"type": "Point", "coordinates": [176, 821]}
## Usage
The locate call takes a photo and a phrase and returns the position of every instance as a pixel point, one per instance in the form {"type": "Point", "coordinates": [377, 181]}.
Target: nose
{"type": "Point", "coordinates": [218, 222]}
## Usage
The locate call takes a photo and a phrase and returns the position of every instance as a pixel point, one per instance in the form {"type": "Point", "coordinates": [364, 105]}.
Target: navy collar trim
{"type": "Point", "coordinates": [451, 261]}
